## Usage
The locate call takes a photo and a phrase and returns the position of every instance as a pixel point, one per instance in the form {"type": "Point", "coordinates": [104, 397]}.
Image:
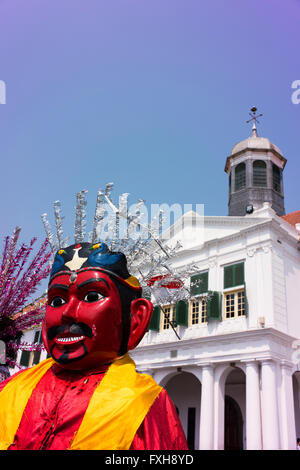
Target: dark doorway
{"type": "Point", "coordinates": [191, 428]}
{"type": "Point", "coordinates": [233, 425]}
{"type": "Point", "coordinates": [184, 390]}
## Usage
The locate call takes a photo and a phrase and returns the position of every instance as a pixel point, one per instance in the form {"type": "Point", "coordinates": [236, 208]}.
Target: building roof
{"type": "Point", "coordinates": [34, 304]}
{"type": "Point", "coordinates": [255, 143]}
{"type": "Point", "coordinates": [292, 218]}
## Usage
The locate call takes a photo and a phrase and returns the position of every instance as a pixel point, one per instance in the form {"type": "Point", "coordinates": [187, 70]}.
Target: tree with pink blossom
{"type": "Point", "coordinates": [20, 277]}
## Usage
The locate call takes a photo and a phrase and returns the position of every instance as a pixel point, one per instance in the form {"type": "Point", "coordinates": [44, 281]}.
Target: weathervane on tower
{"type": "Point", "coordinates": [255, 120]}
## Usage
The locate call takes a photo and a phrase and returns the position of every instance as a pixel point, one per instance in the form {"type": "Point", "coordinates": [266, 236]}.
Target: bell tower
{"type": "Point", "coordinates": [254, 169]}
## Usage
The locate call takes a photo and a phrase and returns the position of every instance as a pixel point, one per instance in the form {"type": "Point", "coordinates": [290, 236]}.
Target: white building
{"type": "Point", "coordinates": [234, 374]}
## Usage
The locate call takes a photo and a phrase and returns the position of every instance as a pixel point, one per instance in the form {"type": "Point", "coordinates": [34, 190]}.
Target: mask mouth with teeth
{"type": "Point", "coordinates": [95, 312]}
{"type": "Point", "coordinates": [67, 337]}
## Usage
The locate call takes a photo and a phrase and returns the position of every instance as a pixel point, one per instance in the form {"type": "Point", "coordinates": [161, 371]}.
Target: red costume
{"type": "Point", "coordinates": [95, 314]}
{"type": "Point", "coordinates": [51, 421]}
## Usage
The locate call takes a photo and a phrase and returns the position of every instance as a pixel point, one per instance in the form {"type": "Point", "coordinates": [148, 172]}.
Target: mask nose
{"type": "Point", "coordinates": [70, 312]}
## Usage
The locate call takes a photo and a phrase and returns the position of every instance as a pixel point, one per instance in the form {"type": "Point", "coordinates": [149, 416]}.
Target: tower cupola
{"type": "Point", "coordinates": [255, 168]}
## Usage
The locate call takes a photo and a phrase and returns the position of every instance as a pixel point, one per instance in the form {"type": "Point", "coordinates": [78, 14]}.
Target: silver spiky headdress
{"type": "Point", "coordinates": [149, 255]}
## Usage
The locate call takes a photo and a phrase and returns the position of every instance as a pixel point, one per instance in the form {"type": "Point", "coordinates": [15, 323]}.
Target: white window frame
{"type": "Point", "coordinates": [164, 325]}
{"type": "Point", "coordinates": [235, 292]}
{"type": "Point", "coordinates": [202, 313]}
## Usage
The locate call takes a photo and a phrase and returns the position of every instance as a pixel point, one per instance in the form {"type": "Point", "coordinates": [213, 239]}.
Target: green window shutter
{"type": "Point", "coordinates": [36, 336]}
{"type": "Point", "coordinates": [204, 283]}
{"type": "Point", "coordinates": [228, 276]}
{"type": "Point", "coordinates": [36, 357]}
{"type": "Point", "coordinates": [37, 354]}
{"type": "Point", "coordinates": [214, 310]}
{"type": "Point", "coordinates": [194, 284]}
{"type": "Point", "coordinates": [239, 274]}
{"type": "Point", "coordinates": [24, 361]}
{"type": "Point", "coordinates": [199, 283]}
{"type": "Point", "coordinates": [182, 308]}
{"type": "Point", "coordinates": [233, 275]}
{"type": "Point", "coordinates": [155, 319]}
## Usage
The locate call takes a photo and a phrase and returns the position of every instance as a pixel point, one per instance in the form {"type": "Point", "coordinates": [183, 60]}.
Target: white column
{"type": "Point", "coordinates": [270, 421]}
{"type": "Point", "coordinates": [207, 408]}
{"type": "Point", "coordinates": [287, 408]}
{"type": "Point", "coordinates": [253, 414]}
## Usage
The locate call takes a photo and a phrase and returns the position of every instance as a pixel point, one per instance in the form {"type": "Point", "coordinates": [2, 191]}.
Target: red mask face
{"type": "Point", "coordinates": [83, 322]}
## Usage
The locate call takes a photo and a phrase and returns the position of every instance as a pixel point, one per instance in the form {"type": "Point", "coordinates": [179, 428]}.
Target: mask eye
{"type": "Point", "coordinates": [93, 297]}
{"type": "Point", "coordinates": [57, 302]}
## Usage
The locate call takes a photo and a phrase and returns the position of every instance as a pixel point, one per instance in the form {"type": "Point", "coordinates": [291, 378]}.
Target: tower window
{"type": "Point", "coordinates": [259, 173]}
{"type": "Point", "coordinates": [276, 178]}
{"type": "Point", "coordinates": [240, 176]}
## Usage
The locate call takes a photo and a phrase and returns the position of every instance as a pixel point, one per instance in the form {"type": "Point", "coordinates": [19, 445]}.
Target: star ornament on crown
{"type": "Point", "coordinates": [121, 241]}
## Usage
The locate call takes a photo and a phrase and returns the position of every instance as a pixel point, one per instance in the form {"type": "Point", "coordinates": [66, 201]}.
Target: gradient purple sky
{"type": "Point", "coordinates": [151, 95]}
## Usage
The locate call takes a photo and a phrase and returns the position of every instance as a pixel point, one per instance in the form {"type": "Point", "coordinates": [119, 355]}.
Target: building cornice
{"type": "Point", "coordinates": [260, 224]}
{"type": "Point", "coordinates": [251, 334]}
{"type": "Point", "coordinates": [243, 225]}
